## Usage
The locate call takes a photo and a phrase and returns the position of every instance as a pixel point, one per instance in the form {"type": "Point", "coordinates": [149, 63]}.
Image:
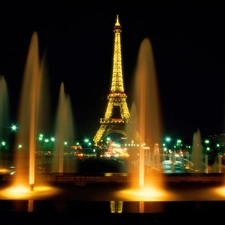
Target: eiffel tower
{"type": "Point", "coordinates": [117, 97]}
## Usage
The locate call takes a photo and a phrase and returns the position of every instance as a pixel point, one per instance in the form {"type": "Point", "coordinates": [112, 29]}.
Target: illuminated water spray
{"type": "Point", "coordinates": [4, 118]}
{"type": "Point", "coordinates": [147, 184]}
{"type": "Point", "coordinates": [148, 111]}
{"type": "Point", "coordinates": [28, 116]}
{"type": "Point", "coordinates": [64, 130]}
{"type": "Point", "coordinates": [197, 153]}
{"type": "Point", "coordinates": [31, 117]}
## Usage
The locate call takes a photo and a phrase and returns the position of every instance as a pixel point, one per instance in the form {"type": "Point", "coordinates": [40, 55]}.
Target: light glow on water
{"type": "Point", "coordinates": [144, 194]}
{"type": "Point", "coordinates": [149, 193]}
{"type": "Point", "coordinates": [24, 192]}
{"type": "Point", "coordinates": [220, 191]}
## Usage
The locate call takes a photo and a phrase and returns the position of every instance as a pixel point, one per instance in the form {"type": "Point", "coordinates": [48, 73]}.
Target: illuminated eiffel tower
{"type": "Point", "coordinates": [117, 97]}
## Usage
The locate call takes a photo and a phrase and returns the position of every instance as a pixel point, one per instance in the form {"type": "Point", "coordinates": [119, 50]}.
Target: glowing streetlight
{"type": "Point", "coordinates": [168, 139]}
{"type": "Point", "coordinates": [52, 139]}
{"type": "Point", "coordinates": [14, 128]}
{"type": "Point", "coordinates": [40, 138]}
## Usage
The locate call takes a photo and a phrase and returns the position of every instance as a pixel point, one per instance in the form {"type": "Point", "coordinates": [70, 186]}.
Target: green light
{"type": "Point", "coordinates": [3, 143]}
{"type": "Point", "coordinates": [207, 141]}
{"type": "Point", "coordinates": [178, 141]}
{"type": "Point", "coordinates": [168, 139]}
{"type": "Point", "coordinates": [46, 140]}
{"type": "Point", "coordinates": [52, 139]}
{"type": "Point", "coordinates": [14, 127]}
{"type": "Point", "coordinates": [217, 145]}
{"type": "Point", "coordinates": [65, 143]}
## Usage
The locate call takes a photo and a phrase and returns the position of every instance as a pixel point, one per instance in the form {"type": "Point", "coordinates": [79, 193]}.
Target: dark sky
{"type": "Point", "coordinates": [187, 39]}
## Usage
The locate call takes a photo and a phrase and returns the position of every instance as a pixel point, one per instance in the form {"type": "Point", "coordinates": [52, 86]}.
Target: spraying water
{"type": "Point", "coordinates": [4, 108]}
{"type": "Point", "coordinates": [4, 118]}
{"type": "Point", "coordinates": [28, 117]}
{"type": "Point", "coordinates": [196, 155]}
{"type": "Point", "coordinates": [64, 130]}
{"type": "Point", "coordinates": [32, 113]}
{"type": "Point", "coordinates": [148, 114]}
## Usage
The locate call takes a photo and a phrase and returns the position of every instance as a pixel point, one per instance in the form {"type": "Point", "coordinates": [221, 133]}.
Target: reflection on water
{"type": "Point", "coordinates": [30, 205]}
{"type": "Point", "coordinates": [108, 207]}
{"type": "Point", "coordinates": [116, 206]}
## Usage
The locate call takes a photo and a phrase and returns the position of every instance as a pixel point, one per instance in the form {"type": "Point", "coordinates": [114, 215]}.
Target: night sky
{"type": "Point", "coordinates": [187, 39]}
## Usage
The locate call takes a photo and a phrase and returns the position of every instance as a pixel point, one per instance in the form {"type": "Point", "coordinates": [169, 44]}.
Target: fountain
{"type": "Point", "coordinates": [29, 121]}
{"type": "Point", "coordinates": [64, 131]}
{"type": "Point", "coordinates": [197, 153]}
{"type": "Point", "coordinates": [4, 120]}
{"type": "Point", "coordinates": [148, 112]}
{"type": "Point", "coordinates": [28, 115]}
{"type": "Point", "coordinates": [147, 116]}
{"type": "Point", "coordinates": [26, 182]}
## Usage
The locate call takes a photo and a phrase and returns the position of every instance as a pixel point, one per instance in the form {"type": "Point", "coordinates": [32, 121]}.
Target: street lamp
{"type": "Point", "coordinates": [14, 128]}
{"type": "Point", "coordinates": [52, 139]}
{"type": "Point", "coordinates": [207, 145]}
{"type": "Point", "coordinates": [40, 138]}
{"type": "Point", "coordinates": [179, 144]}
{"type": "Point", "coordinates": [168, 139]}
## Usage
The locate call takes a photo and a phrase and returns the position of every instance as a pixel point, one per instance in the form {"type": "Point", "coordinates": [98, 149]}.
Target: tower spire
{"type": "Point", "coordinates": [117, 74]}
{"type": "Point", "coordinates": [117, 97]}
{"type": "Point", "coordinates": [117, 21]}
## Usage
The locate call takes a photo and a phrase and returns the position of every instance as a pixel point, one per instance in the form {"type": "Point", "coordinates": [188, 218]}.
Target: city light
{"type": "Point", "coordinates": [213, 143]}
{"type": "Point", "coordinates": [14, 127]}
{"type": "Point", "coordinates": [168, 139]}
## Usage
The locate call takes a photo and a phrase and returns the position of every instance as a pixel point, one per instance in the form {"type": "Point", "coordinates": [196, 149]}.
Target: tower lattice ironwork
{"type": "Point", "coordinates": [117, 97]}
